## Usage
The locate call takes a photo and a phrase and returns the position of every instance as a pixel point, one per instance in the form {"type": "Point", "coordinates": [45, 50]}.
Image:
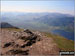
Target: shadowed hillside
{"type": "Point", "coordinates": [6, 25]}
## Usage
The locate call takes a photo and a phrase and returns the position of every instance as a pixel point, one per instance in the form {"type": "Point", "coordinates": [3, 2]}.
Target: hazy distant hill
{"type": "Point", "coordinates": [57, 19]}
{"type": "Point", "coordinates": [62, 20]}
{"type": "Point", "coordinates": [6, 25]}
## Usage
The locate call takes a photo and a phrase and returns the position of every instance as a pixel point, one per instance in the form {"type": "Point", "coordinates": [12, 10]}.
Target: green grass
{"type": "Point", "coordinates": [63, 43]}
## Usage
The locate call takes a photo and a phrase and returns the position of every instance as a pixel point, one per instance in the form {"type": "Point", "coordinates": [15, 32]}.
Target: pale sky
{"type": "Point", "coordinates": [66, 7]}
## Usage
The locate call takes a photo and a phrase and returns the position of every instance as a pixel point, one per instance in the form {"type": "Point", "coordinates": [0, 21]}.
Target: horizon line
{"type": "Point", "coordinates": [35, 12]}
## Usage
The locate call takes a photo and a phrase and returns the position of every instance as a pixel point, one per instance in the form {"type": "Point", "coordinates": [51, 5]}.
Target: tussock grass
{"type": "Point", "coordinates": [63, 43]}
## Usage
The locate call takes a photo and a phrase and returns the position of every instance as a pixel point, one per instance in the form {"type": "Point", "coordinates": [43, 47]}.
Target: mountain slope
{"type": "Point", "coordinates": [61, 20]}
{"type": "Point", "coordinates": [26, 42]}
{"type": "Point", "coordinates": [6, 25]}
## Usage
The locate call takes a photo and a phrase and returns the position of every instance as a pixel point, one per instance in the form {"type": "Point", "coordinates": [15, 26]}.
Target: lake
{"type": "Point", "coordinates": [68, 35]}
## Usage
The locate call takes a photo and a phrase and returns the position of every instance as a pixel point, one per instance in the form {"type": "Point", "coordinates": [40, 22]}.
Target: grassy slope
{"type": "Point", "coordinates": [63, 43]}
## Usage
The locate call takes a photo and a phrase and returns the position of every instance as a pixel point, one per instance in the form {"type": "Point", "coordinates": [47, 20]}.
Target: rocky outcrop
{"type": "Point", "coordinates": [27, 43]}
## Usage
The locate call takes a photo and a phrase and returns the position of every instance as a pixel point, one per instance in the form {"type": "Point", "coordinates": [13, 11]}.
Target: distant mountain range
{"type": "Point", "coordinates": [40, 21]}
{"type": "Point", "coordinates": [60, 20]}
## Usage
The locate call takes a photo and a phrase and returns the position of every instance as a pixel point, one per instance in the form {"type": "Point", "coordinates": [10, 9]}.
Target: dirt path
{"type": "Point", "coordinates": [23, 43]}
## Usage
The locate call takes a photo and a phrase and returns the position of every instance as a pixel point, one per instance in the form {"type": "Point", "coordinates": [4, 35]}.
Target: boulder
{"type": "Point", "coordinates": [8, 44]}
{"type": "Point", "coordinates": [28, 31]}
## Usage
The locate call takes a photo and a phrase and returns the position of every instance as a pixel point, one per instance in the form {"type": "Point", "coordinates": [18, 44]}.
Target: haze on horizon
{"type": "Point", "coordinates": [66, 7]}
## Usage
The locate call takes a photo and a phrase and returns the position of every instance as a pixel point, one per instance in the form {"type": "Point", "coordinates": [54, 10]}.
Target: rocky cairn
{"type": "Point", "coordinates": [27, 43]}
